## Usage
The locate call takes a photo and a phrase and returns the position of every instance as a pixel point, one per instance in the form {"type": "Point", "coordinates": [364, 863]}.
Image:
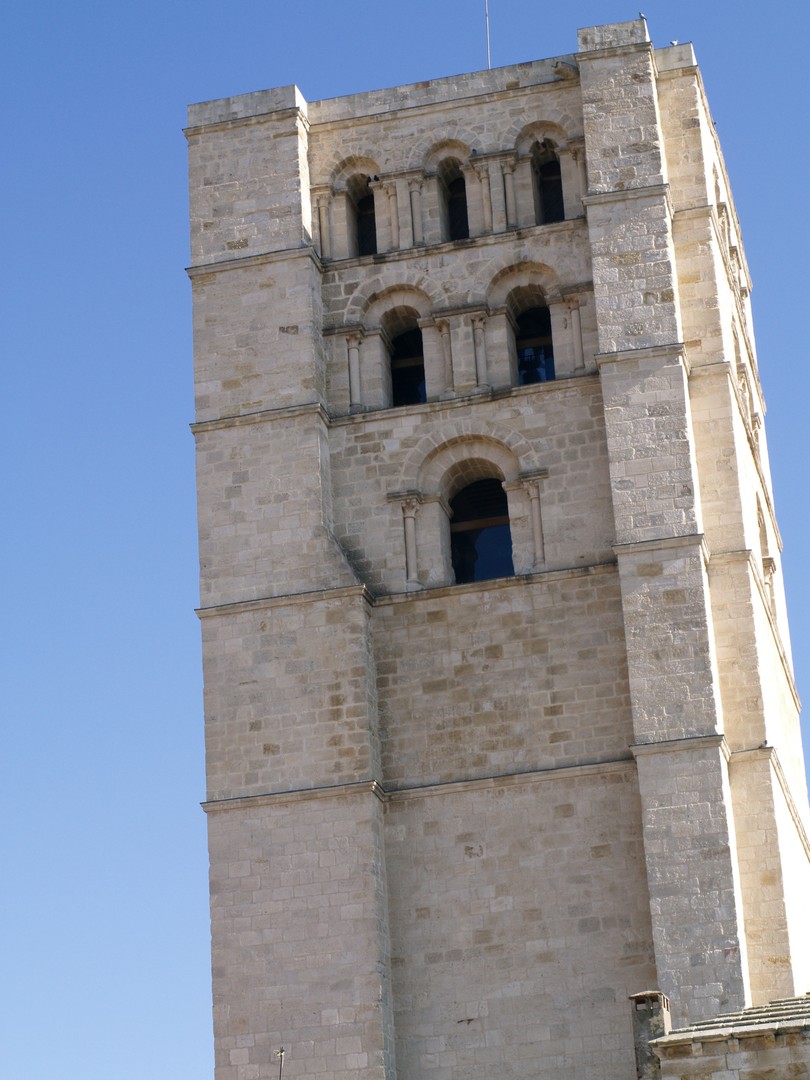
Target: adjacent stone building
{"type": "Point", "coordinates": [500, 717]}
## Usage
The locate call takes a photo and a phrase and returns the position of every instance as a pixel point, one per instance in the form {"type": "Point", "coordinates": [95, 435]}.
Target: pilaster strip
{"type": "Point", "coordinates": [769, 753]}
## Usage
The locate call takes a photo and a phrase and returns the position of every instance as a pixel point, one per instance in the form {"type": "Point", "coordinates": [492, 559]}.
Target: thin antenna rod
{"type": "Point", "coordinates": [486, 20]}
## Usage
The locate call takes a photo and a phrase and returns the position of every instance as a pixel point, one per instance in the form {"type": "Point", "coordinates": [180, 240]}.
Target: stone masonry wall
{"type": "Point", "coordinates": [519, 926]}
{"type": "Point", "coordinates": [453, 827]}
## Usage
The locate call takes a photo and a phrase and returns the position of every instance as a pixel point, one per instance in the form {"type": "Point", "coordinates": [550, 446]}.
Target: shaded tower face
{"type": "Point", "coordinates": [497, 681]}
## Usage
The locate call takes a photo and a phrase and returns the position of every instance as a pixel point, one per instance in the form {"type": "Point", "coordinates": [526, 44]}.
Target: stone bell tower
{"type": "Point", "coordinates": [500, 720]}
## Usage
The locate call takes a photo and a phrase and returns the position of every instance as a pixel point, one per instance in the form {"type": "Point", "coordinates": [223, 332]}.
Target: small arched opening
{"type": "Point", "coordinates": [533, 346]}
{"type": "Point", "coordinates": [364, 223]}
{"type": "Point", "coordinates": [480, 536]}
{"type": "Point", "coordinates": [548, 192]}
{"type": "Point", "coordinates": [454, 189]}
{"type": "Point", "coordinates": [406, 357]}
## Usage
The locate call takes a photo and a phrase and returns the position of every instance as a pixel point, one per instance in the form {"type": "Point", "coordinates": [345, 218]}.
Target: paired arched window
{"type": "Point", "coordinates": [406, 357]}
{"type": "Point", "coordinates": [547, 182]}
{"type": "Point", "coordinates": [454, 190]}
{"type": "Point", "coordinates": [533, 346]}
{"type": "Point", "coordinates": [364, 223]}
{"type": "Point", "coordinates": [480, 537]}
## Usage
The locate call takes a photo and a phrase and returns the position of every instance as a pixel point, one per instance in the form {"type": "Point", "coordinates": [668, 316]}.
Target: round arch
{"type": "Point", "coordinates": [538, 132]}
{"type": "Point", "coordinates": [462, 458]}
{"type": "Point", "coordinates": [349, 167]}
{"type": "Point", "coordinates": [529, 275]}
{"type": "Point", "coordinates": [447, 148]}
{"type": "Point", "coordinates": [374, 297]}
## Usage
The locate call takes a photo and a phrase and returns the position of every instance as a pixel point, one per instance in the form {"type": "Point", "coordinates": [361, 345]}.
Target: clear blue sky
{"type": "Point", "coordinates": [104, 903]}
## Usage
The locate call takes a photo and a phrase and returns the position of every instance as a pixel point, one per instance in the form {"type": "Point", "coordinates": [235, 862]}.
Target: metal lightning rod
{"type": "Point", "coordinates": [486, 20]}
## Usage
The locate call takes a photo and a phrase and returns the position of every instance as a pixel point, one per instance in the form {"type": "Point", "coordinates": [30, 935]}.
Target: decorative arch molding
{"type": "Point", "coordinates": [436, 457]}
{"type": "Point", "coordinates": [537, 132]}
{"type": "Point", "coordinates": [527, 274]}
{"type": "Point", "coordinates": [398, 296]}
{"type": "Point", "coordinates": [348, 167]}
{"type": "Point", "coordinates": [447, 148]}
{"type": "Point", "coordinates": [375, 296]}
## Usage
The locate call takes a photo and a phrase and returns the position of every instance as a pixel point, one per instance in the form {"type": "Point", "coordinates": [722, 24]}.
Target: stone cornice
{"type": "Point", "coordinates": [263, 416]}
{"type": "Point", "coordinates": [307, 408]}
{"type": "Point", "coordinates": [676, 350]}
{"type": "Point", "coordinates": [540, 577]}
{"type": "Point", "coordinates": [240, 607]}
{"type": "Point", "coordinates": [245, 262]}
{"type": "Point", "coordinates": [289, 113]}
{"type": "Point", "coordinates": [607, 51]}
{"type": "Point", "coordinates": [665, 543]}
{"type": "Point", "coordinates": [374, 788]}
{"type": "Point", "coordinates": [651, 191]}
{"type": "Point", "coordinates": [693, 742]}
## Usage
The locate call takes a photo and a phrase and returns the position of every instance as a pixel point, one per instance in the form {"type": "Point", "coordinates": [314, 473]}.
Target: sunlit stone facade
{"type": "Point", "coordinates": [454, 826]}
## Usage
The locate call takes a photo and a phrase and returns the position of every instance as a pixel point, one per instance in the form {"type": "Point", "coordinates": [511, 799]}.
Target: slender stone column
{"type": "Point", "coordinates": [382, 220]}
{"type": "Point", "coordinates": [533, 491]}
{"type": "Point", "coordinates": [528, 549]}
{"type": "Point", "coordinates": [322, 204]}
{"type": "Point", "coordinates": [497, 196]}
{"type": "Point", "coordinates": [393, 213]}
{"type": "Point", "coordinates": [526, 213]}
{"type": "Point", "coordinates": [480, 349]}
{"type": "Point", "coordinates": [508, 169]}
{"type": "Point", "coordinates": [415, 189]}
{"type": "Point", "coordinates": [482, 172]}
{"type": "Point", "coordinates": [404, 213]}
{"type": "Point", "coordinates": [353, 350]}
{"type": "Point", "coordinates": [578, 154]}
{"type": "Point", "coordinates": [410, 507]}
{"type": "Point", "coordinates": [447, 357]}
{"type": "Point", "coordinates": [768, 572]}
{"type": "Point", "coordinates": [576, 333]}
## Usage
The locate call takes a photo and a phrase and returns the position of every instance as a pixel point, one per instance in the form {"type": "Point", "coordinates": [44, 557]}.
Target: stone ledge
{"type": "Point", "coordinates": [694, 742]}
{"type": "Point", "coordinates": [373, 787]}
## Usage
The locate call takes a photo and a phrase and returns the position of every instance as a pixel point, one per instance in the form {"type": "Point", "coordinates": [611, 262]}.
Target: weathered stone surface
{"type": "Point", "coordinates": [453, 827]}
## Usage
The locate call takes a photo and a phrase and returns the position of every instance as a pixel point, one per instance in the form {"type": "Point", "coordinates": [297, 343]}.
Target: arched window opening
{"type": "Point", "coordinates": [406, 357]}
{"type": "Point", "coordinates": [455, 196]}
{"type": "Point", "coordinates": [535, 353]}
{"type": "Point", "coordinates": [480, 538]}
{"type": "Point", "coordinates": [365, 223]}
{"type": "Point", "coordinates": [548, 193]}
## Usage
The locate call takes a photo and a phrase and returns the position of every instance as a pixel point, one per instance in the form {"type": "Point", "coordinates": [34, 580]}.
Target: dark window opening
{"type": "Point", "coordinates": [458, 227]}
{"type": "Point", "coordinates": [366, 226]}
{"type": "Point", "coordinates": [535, 355]}
{"type": "Point", "coordinates": [480, 538]}
{"type": "Point", "coordinates": [548, 193]}
{"type": "Point", "coordinates": [408, 369]}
